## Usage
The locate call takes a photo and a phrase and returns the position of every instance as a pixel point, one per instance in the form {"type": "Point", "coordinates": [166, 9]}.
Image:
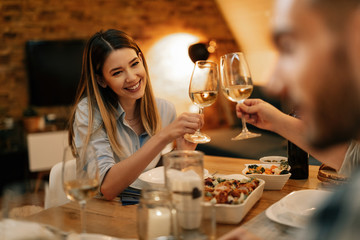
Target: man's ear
{"type": "Point", "coordinates": [100, 80]}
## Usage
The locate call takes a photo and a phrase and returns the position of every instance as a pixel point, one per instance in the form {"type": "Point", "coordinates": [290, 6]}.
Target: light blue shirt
{"type": "Point", "coordinates": [126, 136]}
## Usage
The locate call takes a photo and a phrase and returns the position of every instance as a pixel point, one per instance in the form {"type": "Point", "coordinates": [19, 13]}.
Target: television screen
{"type": "Point", "coordinates": [54, 69]}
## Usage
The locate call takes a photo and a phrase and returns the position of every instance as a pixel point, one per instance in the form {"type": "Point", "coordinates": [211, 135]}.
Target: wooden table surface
{"type": "Point", "coordinates": [113, 219]}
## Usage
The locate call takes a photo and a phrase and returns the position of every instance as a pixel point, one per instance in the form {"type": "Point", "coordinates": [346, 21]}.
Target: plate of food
{"type": "Point", "coordinates": [232, 195]}
{"type": "Point", "coordinates": [274, 175]}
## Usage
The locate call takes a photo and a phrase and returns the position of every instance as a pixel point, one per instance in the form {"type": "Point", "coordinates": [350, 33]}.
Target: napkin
{"type": "Point", "coordinates": [22, 230]}
{"type": "Point", "coordinates": [130, 196]}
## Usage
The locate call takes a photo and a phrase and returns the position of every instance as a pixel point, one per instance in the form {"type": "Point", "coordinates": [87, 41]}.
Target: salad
{"type": "Point", "coordinates": [280, 169]}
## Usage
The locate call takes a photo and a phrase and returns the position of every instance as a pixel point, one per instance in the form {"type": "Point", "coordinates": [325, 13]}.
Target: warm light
{"type": "Point", "coordinates": [170, 69]}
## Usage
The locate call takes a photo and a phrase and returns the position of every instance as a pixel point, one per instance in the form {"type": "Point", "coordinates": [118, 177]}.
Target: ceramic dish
{"type": "Point", "coordinates": [296, 208]}
{"type": "Point", "coordinates": [155, 177]}
{"type": "Point", "coordinates": [273, 159]}
{"type": "Point", "coordinates": [233, 214]}
{"type": "Point", "coordinates": [272, 182]}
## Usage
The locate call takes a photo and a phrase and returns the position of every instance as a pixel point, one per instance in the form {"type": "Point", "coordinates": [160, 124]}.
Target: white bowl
{"type": "Point", "coordinates": [303, 203]}
{"type": "Point", "coordinates": [233, 214]}
{"type": "Point", "coordinates": [296, 208]}
{"type": "Point", "coordinates": [272, 182]}
{"type": "Point", "coordinates": [273, 159]}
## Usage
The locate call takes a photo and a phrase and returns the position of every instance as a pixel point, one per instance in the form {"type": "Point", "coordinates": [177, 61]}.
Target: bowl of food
{"type": "Point", "coordinates": [273, 159]}
{"type": "Point", "coordinates": [274, 175]}
{"type": "Point", "coordinates": [231, 195]}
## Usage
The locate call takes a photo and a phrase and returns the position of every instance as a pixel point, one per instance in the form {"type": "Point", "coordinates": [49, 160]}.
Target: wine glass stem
{"type": "Point", "coordinates": [244, 128]}
{"type": "Point", "coordinates": [82, 216]}
{"type": "Point", "coordinates": [201, 111]}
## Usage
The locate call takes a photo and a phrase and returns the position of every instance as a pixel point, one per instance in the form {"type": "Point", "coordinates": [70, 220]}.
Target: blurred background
{"type": "Point", "coordinates": [41, 45]}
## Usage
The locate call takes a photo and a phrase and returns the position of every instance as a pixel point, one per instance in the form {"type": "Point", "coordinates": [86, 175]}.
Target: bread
{"type": "Point", "coordinates": [330, 175]}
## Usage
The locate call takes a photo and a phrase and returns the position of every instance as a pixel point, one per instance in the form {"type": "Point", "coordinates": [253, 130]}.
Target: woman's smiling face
{"type": "Point", "coordinates": [125, 74]}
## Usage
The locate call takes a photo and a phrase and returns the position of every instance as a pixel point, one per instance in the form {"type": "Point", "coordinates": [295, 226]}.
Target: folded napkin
{"type": "Point", "coordinates": [130, 196]}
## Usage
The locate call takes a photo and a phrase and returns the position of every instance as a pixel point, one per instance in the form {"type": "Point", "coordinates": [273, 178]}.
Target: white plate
{"type": "Point", "coordinates": [272, 182]}
{"type": "Point", "coordinates": [296, 208]}
{"type": "Point", "coordinates": [92, 236]}
{"type": "Point", "coordinates": [233, 214]}
{"type": "Point", "coordinates": [156, 177]}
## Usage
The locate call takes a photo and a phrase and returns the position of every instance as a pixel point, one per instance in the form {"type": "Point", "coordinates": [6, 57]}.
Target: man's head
{"type": "Point", "coordinates": [315, 69]}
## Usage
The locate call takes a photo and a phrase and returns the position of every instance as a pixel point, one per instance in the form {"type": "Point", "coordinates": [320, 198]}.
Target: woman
{"type": "Point", "coordinates": [117, 114]}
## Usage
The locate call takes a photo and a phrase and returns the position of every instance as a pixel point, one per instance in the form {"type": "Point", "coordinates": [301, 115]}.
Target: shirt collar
{"type": "Point", "coordinates": [120, 113]}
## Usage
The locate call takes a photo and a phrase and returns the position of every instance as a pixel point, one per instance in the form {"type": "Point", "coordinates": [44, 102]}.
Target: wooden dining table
{"type": "Point", "coordinates": [113, 219]}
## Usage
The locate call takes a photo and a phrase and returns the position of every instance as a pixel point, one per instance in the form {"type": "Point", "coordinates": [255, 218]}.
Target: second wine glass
{"type": "Point", "coordinates": [80, 177]}
{"type": "Point", "coordinates": [237, 85]}
{"type": "Point", "coordinates": [203, 91]}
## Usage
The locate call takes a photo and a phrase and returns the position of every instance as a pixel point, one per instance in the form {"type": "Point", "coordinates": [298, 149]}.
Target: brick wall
{"type": "Point", "coordinates": [145, 20]}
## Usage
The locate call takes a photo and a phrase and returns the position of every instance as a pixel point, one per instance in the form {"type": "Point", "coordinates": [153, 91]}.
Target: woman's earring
{"type": "Point", "coordinates": [101, 81]}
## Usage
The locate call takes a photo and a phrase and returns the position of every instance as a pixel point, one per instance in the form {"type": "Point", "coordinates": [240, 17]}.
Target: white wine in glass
{"type": "Point", "coordinates": [237, 85]}
{"type": "Point", "coordinates": [80, 177]}
{"type": "Point", "coordinates": [203, 91]}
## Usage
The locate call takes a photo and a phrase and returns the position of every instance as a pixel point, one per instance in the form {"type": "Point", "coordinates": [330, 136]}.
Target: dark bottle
{"type": "Point", "coordinates": [298, 159]}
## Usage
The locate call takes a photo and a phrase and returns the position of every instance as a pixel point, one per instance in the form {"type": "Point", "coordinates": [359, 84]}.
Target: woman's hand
{"type": "Point", "coordinates": [259, 113]}
{"type": "Point", "coordinates": [185, 123]}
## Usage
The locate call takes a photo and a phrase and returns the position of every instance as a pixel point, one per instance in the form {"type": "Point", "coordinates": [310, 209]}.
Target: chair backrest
{"type": "Point", "coordinates": [45, 149]}
{"type": "Point", "coordinates": [55, 195]}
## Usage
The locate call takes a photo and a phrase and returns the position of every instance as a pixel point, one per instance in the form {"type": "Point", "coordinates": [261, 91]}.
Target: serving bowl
{"type": "Point", "coordinates": [234, 213]}
{"type": "Point", "coordinates": [273, 159]}
{"type": "Point", "coordinates": [272, 182]}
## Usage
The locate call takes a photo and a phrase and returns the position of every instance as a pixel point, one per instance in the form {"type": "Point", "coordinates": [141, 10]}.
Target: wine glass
{"type": "Point", "coordinates": [237, 85]}
{"type": "Point", "coordinates": [80, 177]}
{"type": "Point", "coordinates": [203, 91]}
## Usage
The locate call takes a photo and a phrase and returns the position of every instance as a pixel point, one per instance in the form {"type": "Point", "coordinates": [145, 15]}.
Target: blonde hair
{"type": "Point", "coordinates": [97, 49]}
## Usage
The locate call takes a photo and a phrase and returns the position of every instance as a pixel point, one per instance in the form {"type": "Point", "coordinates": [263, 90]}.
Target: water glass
{"type": "Point", "coordinates": [184, 178]}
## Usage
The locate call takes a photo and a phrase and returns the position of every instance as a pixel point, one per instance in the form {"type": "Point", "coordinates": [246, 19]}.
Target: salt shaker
{"type": "Point", "coordinates": [155, 215]}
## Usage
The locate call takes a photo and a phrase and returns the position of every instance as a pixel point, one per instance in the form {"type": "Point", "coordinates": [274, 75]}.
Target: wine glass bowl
{"type": "Point", "coordinates": [237, 85]}
{"type": "Point", "coordinates": [203, 91]}
{"type": "Point", "coordinates": [80, 178]}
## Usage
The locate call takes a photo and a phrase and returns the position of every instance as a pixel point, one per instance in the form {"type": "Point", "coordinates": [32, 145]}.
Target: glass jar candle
{"type": "Point", "coordinates": [155, 215]}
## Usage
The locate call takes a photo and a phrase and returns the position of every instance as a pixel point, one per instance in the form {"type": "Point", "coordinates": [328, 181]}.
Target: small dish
{"type": "Point", "coordinates": [272, 182]}
{"type": "Point", "coordinates": [273, 159]}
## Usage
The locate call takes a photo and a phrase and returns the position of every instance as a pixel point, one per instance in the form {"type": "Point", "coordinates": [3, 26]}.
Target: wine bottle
{"type": "Point", "coordinates": [298, 159]}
